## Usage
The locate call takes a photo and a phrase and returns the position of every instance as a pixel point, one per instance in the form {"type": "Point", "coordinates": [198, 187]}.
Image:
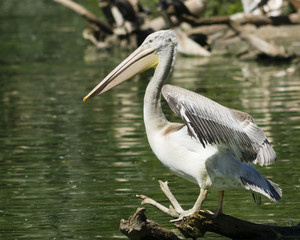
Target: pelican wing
{"type": "Point", "coordinates": [212, 123]}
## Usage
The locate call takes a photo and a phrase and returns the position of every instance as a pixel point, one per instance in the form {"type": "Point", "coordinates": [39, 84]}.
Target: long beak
{"type": "Point", "coordinates": [140, 60]}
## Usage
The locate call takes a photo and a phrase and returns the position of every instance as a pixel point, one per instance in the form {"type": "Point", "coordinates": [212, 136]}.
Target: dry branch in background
{"type": "Point", "coordinates": [90, 17]}
{"type": "Point", "coordinates": [127, 26]}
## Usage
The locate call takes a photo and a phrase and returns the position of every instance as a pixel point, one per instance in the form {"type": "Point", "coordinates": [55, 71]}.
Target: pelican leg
{"type": "Point", "coordinates": [220, 204]}
{"type": "Point", "coordinates": [170, 211]}
{"type": "Point", "coordinates": [165, 188]}
{"type": "Point", "coordinates": [197, 206]}
{"type": "Point", "coordinates": [202, 196]}
{"type": "Point", "coordinates": [175, 210]}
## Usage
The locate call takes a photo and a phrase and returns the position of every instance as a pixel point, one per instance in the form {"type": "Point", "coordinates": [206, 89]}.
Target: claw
{"type": "Point", "coordinates": [183, 215]}
{"type": "Point", "coordinates": [177, 219]}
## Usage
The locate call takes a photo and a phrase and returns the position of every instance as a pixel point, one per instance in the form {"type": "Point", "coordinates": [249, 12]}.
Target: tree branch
{"type": "Point", "coordinates": [85, 14]}
{"type": "Point", "coordinates": [233, 228]}
{"type": "Point", "coordinates": [138, 227]}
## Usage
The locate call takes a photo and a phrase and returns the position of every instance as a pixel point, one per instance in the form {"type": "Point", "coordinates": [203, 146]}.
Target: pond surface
{"type": "Point", "coordinates": [71, 170]}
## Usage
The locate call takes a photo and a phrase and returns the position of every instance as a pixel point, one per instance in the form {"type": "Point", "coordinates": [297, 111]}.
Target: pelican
{"type": "Point", "coordinates": [215, 145]}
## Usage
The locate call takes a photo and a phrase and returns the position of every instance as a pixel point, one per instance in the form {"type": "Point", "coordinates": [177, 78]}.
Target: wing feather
{"type": "Point", "coordinates": [212, 123]}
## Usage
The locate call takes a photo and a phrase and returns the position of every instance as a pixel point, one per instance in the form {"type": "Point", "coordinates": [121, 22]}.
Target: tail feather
{"type": "Point", "coordinates": [276, 192]}
{"type": "Point", "coordinates": [271, 190]}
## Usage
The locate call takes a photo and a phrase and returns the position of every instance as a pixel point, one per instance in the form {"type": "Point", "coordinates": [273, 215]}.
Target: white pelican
{"type": "Point", "coordinates": [215, 145]}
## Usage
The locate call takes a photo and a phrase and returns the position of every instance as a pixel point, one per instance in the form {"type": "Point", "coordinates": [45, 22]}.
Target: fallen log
{"type": "Point", "coordinates": [138, 227]}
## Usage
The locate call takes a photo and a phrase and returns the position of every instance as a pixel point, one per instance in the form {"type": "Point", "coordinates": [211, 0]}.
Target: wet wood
{"type": "Point", "coordinates": [138, 227]}
{"type": "Point", "coordinates": [233, 228]}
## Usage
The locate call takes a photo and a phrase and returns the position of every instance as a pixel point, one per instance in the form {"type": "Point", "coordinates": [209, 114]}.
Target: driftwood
{"type": "Point", "coordinates": [138, 227]}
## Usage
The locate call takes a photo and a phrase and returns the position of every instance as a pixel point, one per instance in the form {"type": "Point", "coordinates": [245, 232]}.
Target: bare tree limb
{"type": "Point", "coordinates": [85, 14]}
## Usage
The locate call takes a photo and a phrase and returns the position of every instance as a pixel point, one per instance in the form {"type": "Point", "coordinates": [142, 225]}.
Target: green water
{"type": "Point", "coordinates": [71, 170]}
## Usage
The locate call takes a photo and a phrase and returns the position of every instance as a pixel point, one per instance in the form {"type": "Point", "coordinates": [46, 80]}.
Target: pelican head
{"type": "Point", "coordinates": [142, 59]}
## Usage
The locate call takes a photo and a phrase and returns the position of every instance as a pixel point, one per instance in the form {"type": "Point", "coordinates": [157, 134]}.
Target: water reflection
{"type": "Point", "coordinates": [71, 170]}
